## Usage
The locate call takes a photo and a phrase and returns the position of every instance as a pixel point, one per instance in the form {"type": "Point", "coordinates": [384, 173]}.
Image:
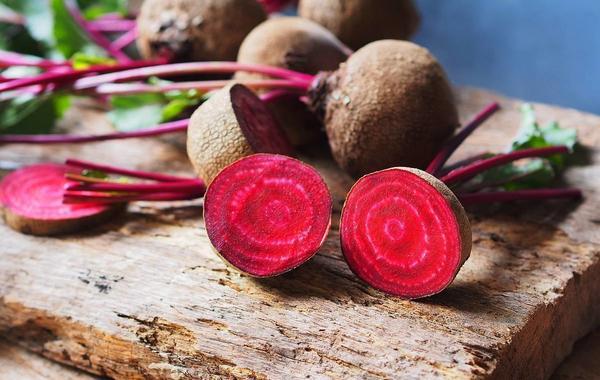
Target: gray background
{"type": "Point", "coordinates": [540, 50]}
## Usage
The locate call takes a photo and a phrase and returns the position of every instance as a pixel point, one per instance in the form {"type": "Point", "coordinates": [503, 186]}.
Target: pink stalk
{"type": "Point", "coordinates": [507, 196]}
{"type": "Point", "coordinates": [450, 147]}
{"type": "Point", "coordinates": [177, 69]}
{"type": "Point", "coordinates": [123, 41]}
{"type": "Point", "coordinates": [94, 35]}
{"type": "Point", "coordinates": [9, 58]}
{"type": "Point", "coordinates": [272, 6]}
{"type": "Point", "coordinates": [469, 171]}
{"type": "Point", "coordinates": [111, 25]}
{"type": "Point", "coordinates": [65, 77]}
{"type": "Point", "coordinates": [9, 16]}
{"type": "Point", "coordinates": [275, 95]}
{"type": "Point", "coordinates": [467, 161]}
{"type": "Point", "coordinates": [124, 172]}
{"type": "Point", "coordinates": [72, 197]}
{"type": "Point", "coordinates": [189, 186]}
{"type": "Point", "coordinates": [161, 129]}
{"type": "Point", "coordinates": [137, 88]}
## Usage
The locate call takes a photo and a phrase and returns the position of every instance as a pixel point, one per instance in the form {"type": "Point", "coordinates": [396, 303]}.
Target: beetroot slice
{"type": "Point", "coordinates": [403, 232]}
{"type": "Point", "coordinates": [257, 123]}
{"type": "Point", "coordinates": [267, 214]}
{"type": "Point", "coordinates": [32, 198]}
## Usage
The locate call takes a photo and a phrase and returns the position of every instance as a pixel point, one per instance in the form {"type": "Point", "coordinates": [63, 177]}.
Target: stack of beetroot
{"type": "Point", "coordinates": [387, 110]}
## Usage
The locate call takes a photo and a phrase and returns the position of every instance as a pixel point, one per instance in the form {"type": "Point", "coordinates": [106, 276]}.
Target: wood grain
{"type": "Point", "coordinates": [145, 296]}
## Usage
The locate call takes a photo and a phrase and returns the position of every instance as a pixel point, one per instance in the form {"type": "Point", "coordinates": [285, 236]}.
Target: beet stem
{"type": "Point", "coordinates": [111, 25]}
{"type": "Point", "coordinates": [189, 186]}
{"type": "Point", "coordinates": [469, 171]}
{"type": "Point", "coordinates": [275, 95]}
{"type": "Point", "coordinates": [451, 145]}
{"type": "Point", "coordinates": [9, 58]}
{"type": "Point", "coordinates": [94, 35]}
{"type": "Point", "coordinates": [64, 77]}
{"type": "Point", "coordinates": [125, 40]}
{"type": "Point", "coordinates": [125, 172]}
{"type": "Point", "coordinates": [161, 129]}
{"type": "Point", "coordinates": [176, 69]}
{"type": "Point", "coordinates": [507, 196]}
{"type": "Point", "coordinates": [71, 197]}
{"type": "Point", "coordinates": [137, 88]}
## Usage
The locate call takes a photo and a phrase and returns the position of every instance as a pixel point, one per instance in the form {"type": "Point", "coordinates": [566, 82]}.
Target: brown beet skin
{"type": "Point", "coordinates": [389, 105]}
{"type": "Point", "coordinates": [196, 30]}
{"type": "Point", "coordinates": [297, 44]}
{"type": "Point", "coordinates": [359, 22]}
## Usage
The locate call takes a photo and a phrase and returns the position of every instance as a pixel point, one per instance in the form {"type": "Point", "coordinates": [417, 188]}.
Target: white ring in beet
{"type": "Point", "coordinates": [267, 214]}
{"type": "Point", "coordinates": [404, 232]}
{"type": "Point", "coordinates": [32, 199]}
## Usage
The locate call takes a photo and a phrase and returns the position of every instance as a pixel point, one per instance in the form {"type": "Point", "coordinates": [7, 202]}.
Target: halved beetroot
{"type": "Point", "coordinates": [267, 214]}
{"type": "Point", "coordinates": [404, 232]}
{"type": "Point", "coordinates": [32, 201]}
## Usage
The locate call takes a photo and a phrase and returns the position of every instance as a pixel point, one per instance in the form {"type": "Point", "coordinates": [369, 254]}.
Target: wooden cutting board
{"type": "Point", "coordinates": [145, 296]}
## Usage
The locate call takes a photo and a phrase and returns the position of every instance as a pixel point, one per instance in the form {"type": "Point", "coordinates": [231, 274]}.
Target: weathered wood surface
{"type": "Point", "coordinates": [17, 363]}
{"type": "Point", "coordinates": [146, 297]}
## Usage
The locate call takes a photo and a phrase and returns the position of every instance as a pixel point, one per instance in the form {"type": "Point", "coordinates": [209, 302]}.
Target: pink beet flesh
{"type": "Point", "coordinates": [400, 235]}
{"type": "Point", "coordinates": [36, 192]}
{"type": "Point", "coordinates": [267, 214]}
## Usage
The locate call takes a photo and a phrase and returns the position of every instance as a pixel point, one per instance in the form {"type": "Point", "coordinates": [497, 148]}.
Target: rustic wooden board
{"type": "Point", "coordinates": [146, 297]}
{"type": "Point", "coordinates": [17, 363]}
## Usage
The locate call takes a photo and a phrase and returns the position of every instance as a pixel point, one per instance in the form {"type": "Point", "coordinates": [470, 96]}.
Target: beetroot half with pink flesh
{"type": "Point", "coordinates": [267, 214]}
{"type": "Point", "coordinates": [32, 199]}
{"type": "Point", "coordinates": [404, 232]}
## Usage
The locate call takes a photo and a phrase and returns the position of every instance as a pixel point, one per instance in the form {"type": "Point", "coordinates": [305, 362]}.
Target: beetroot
{"type": "Point", "coordinates": [32, 200]}
{"type": "Point", "coordinates": [267, 214]}
{"type": "Point", "coordinates": [404, 232]}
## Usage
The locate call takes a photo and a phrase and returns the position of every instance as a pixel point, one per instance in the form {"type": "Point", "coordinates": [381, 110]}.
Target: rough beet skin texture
{"type": "Point", "coordinates": [297, 44]}
{"type": "Point", "coordinates": [404, 232]}
{"type": "Point", "coordinates": [196, 30]}
{"type": "Point", "coordinates": [32, 202]}
{"type": "Point", "coordinates": [359, 22]}
{"type": "Point", "coordinates": [267, 214]}
{"type": "Point", "coordinates": [231, 124]}
{"type": "Point", "coordinates": [389, 105]}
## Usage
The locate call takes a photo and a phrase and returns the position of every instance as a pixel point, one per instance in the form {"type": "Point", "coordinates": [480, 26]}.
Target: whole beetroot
{"type": "Point", "coordinates": [389, 105]}
{"type": "Point", "coordinates": [359, 22]}
{"type": "Point", "coordinates": [196, 30]}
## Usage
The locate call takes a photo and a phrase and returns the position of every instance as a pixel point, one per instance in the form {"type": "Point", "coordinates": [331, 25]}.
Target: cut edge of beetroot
{"type": "Point", "coordinates": [258, 124]}
{"type": "Point", "coordinates": [267, 214]}
{"type": "Point", "coordinates": [373, 260]}
{"type": "Point", "coordinates": [32, 198]}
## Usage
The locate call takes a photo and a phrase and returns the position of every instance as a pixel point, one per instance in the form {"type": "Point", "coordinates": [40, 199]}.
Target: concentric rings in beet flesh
{"type": "Point", "coordinates": [32, 199]}
{"type": "Point", "coordinates": [403, 232]}
{"type": "Point", "coordinates": [267, 214]}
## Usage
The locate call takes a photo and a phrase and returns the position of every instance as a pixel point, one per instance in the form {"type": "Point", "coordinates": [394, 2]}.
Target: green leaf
{"type": "Point", "coordinates": [32, 114]}
{"type": "Point", "coordinates": [134, 112]}
{"type": "Point", "coordinates": [38, 15]}
{"type": "Point", "coordinates": [83, 61]}
{"type": "Point", "coordinates": [69, 37]}
{"type": "Point", "coordinates": [92, 9]}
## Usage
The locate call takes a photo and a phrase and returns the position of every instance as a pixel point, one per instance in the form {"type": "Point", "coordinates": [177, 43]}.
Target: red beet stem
{"type": "Point", "coordinates": [125, 172]}
{"type": "Point", "coordinates": [507, 196]}
{"type": "Point", "coordinates": [275, 95]}
{"type": "Point", "coordinates": [137, 88]}
{"type": "Point", "coordinates": [66, 77]}
{"type": "Point", "coordinates": [125, 40]}
{"type": "Point", "coordinates": [112, 25]}
{"type": "Point", "coordinates": [73, 197]}
{"type": "Point", "coordinates": [94, 35]}
{"type": "Point", "coordinates": [161, 129]}
{"type": "Point", "coordinates": [272, 6]}
{"type": "Point", "coordinates": [176, 69]}
{"type": "Point", "coordinates": [450, 147]}
{"type": "Point", "coordinates": [191, 186]}
{"type": "Point", "coordinates": [9, 58]}
{"type": "Point", "coordinates": [469, 171]}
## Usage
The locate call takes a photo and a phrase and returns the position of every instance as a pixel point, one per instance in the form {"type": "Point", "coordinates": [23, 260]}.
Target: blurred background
{"type": "Point", "coordinates": [539, 50]}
